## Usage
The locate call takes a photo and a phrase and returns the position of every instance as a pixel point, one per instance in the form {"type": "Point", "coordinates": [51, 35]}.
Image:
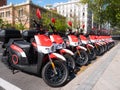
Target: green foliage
{"type": "Point", "coordinates": [1, 23]}
{"type": "Point", "coordinates": [19, 26]}
{"type": "Point", "coordinates": [7, 25]}
{"type": "Point", "coordinates": [97, 7]}
{"type": "Point", "coordinates": [105, 11]}
{"type": "Point", "coordinates": [116, 32]}
{"type": "Point", "coordinates": [60, 23]}
{"type": "Point", "coordinates": [113, 12]}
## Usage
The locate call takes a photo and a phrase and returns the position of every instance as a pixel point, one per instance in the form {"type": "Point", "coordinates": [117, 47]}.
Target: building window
{"type": "Point", "coordinates": [83, 14]}
{"type": "Point", "coordinates": [63, 11]}
{"type": "Point", "coordinates": [2, 14]}
{"type": "Point", "coordinates": [20, 12]}
{"type": "Point", "coordinates": [83, 9]}
{"type": "Point", "coordinates": [7, 13]}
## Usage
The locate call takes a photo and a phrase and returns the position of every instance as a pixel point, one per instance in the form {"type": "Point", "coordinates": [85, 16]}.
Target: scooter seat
{"type": "Point", "coordinates": [22, 44]}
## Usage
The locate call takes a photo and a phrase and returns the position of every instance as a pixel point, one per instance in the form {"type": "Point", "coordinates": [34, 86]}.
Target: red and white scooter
{"type": "Point", "coordinates": [37, 57]}
{"type": "Point", "coordinates": [90, 48]}
{"type": "Point", "coordinates": [61, 48]}
{"type": "Point", "coordinates": [73, 43]}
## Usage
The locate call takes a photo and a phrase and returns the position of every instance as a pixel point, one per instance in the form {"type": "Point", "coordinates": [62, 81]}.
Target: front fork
{"type": "Point", "coordinates": [89, 50]}
{"type": "Point", "coordinates": [96, 47]}
{"type": "Point", "coordinates": [78, 51]}
{"type": "Point", "coordinates": [52, 64]}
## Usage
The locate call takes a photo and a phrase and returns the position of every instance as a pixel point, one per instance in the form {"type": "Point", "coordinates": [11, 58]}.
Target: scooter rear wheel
{"type": "Point", "coordinates": [52, 79]}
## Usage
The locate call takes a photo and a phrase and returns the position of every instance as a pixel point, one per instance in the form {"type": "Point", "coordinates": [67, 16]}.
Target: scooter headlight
{"type": "Point", "coordinates": [76, 43]}
{"type": "Point", "coordinates": [79, 43]}
{"type": "Point", "coordinates": [53, 48]}
{"type": "Point", "coordinates": [64, 45]}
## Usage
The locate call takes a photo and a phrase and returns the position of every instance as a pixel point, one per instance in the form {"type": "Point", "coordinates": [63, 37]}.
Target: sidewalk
{"type": "Point", "coordinates": [104, 74]}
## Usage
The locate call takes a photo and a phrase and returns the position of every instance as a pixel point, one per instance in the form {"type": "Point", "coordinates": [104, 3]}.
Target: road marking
{"type": "Point", "coordinates": [8, 86]}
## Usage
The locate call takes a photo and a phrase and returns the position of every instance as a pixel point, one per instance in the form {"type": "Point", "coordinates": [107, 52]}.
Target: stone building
{"type": "Point", "coordinates": [23, 13]}
{"type": "Point", "coordinates": [3, 2]}
{"type": "Point", "coordinates": [76, 12]}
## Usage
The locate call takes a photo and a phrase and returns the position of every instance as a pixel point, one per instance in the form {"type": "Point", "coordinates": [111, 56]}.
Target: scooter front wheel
{"type": "Point", "coordinates": [92, 54]}
{"type": "Point", "coordinates": [70, 61]}
{"type": "Point", "coordinates": [52, 79]}
{"type": "Point", "coordinates": [81, 59]}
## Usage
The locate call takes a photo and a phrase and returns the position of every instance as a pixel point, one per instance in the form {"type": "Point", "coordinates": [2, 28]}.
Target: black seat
{"type": "Point", "coordinates": [29, 34]}
{"type": "Point", "coordinates": [22, 44]}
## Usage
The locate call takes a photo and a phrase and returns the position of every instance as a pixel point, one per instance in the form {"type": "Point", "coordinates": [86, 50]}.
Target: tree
{"type": "Point", "coordinates": [97, 7]}
{"type": "Point", "coordinates": [5, 24]}
{"type": "Point", "coordinates": [60, 22]}
{"type": "Point", "coordinates": [105, 11]}
{"type": "Point", "coordinates": [19, 26]}
{"type": "Point", "coordinates": [1, 23]}
{"type": "Point", "coordinates": [21, 16]}
{"type": "Point", "coordinates": [113, 13]}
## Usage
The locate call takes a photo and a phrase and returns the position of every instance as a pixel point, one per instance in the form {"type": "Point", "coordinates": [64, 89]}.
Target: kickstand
{"type": "Point", "coordinates": [13, 71]}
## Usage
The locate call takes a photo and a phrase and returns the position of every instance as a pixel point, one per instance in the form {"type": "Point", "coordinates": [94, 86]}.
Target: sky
{"type": "Point", "coordinates": [38, 2]}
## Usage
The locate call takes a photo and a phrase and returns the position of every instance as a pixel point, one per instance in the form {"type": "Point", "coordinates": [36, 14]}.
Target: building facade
{"type": "Point", "coordinates": [76, 12]}
{"type": "Point", "coordinates": [3, 2]}
{"type": "Point", "coordinates": [22, 13]}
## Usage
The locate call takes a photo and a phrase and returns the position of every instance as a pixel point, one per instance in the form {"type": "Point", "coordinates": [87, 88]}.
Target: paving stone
{"type": "Point", "coordinates": [88, 79]}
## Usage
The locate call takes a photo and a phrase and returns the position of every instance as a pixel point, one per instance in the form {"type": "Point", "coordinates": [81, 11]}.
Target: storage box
{"type": "Point", "coordinates": [7, 34]}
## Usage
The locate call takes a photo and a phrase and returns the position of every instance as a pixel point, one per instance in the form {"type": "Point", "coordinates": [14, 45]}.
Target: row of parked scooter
{"type": "Point", "coordinates": [53, 57]}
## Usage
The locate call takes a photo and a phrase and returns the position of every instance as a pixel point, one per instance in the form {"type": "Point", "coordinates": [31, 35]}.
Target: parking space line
{"type": "Point", "coordinates": [8, 86]}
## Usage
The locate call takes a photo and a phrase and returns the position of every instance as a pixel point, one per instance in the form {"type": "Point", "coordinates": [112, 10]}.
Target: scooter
{"type": "Point", "coordinates": [73, 43]}
{"type": "Point", "coordinates": [90, 47]}
{"type": "Point", "coordinates": [61, 48]}
{"type": "Point", "coordinates": [36, 57]}
{"type": "Point", "coordinates": [99, 49]}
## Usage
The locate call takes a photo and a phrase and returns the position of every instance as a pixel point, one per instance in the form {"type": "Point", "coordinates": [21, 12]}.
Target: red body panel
{"type": "Point", "coordinates": [73, 38]}
{"type": "Point", "coordinates": [57, 39]}
{"type": "Point", "coordinates": [52, 56]}
{"type": "Point", "coordinates": [16, 48]}
{"type": "Point", "coordinates": [15, 59]}
{"type": "Point", "coordinates": [92, 37]}
{"type": "Point", "coordinates": [44, 40]}
{"type": "Point", "coordinates": [82, 37]}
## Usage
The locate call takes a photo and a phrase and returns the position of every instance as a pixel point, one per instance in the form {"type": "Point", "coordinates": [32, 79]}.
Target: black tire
{"type": "Point", "coordinates": [9, 62]}
{"type": "Point", "coordinates": [98, 51]}
{"type": "Point", "coordinates": [55, 80]}
{"type": "Point", "coordinates": [82, 59]}
{"type": "Point", "coordinates": [70, 61]}
{"type": "Point", "coordinates": [92, 54]}
{"type": "Point", "coordinates": [103, 49]}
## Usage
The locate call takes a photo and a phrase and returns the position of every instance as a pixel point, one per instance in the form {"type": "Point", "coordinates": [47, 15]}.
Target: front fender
{"type": "Point", "coordinates": [89, 45]}
{"type": "Point", "coordinates": [66, 51]}
{"type": "Point", "coordinates": [81, 47]}
{"type": "Point", "coordinates": [56, 55]}
{"type": "Point", "coordinates": [98, 44]}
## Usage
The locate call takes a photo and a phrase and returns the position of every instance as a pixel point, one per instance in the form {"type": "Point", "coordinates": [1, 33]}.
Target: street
{"type": "Point", "coordinates": [24, 81]}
